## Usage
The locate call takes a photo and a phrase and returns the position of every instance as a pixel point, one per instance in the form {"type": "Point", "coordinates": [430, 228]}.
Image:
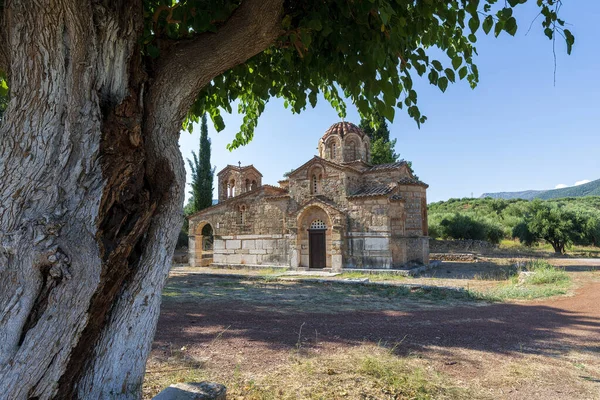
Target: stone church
{"type": "Point", "coordinates": [335, 211]}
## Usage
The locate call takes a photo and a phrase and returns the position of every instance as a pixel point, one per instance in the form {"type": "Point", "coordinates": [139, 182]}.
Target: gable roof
{"type": "Point", "coordinates": [326, 162]}
{"type": "Point", "coordinates": [257, 191]}
{"type": "Point", "coordinates": [373, 191]}
{"type": "Point", "coordinates": [385, 167]}
{"type": "Point", "coordinates": [240, 169]}
{"type": "Point", "coordinates": [412, 181]}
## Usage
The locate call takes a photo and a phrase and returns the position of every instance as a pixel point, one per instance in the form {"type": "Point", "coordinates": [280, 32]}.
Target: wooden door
{"type": "Point", "coordinates": [316, 248]}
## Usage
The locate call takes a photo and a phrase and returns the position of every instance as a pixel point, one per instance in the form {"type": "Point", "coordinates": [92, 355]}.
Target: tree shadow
{"type": "Point", "coordinates": [296, 313]}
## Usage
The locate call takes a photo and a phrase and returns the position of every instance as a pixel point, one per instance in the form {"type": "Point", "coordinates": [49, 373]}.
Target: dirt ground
{"type": "Point", "coordinates": [238, 330]}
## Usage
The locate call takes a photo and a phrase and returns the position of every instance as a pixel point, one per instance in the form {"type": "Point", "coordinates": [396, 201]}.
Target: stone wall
{"type": "Point", "coordinates": [415, 203]}
{"type": "Point", "coordinates": [253, 250]}
{"type": "Point", "coordinates": [460, 246]}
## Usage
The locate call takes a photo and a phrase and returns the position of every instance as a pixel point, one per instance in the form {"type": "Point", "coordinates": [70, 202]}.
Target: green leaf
{"type": "Point", "coordinates": [463, 72]}
{"type": "Point", "coordinates": [389, 113]}
{"type": "Point", "coordinates": [474, 23]}
{"type": "Point", "coordinates": [433, 77]}
{"type": "Point", "coordinates": [450, 74]}
{"type": "Point", "coordinates": [570, 39]}
{"type": "Point", "coordinates": [488, 22]}
{"type": "Point", "coordinates": [437, 65]}
{"type": "Point", "coordinates": [456, 62]}
{"type": "Point", "coordinates": [510, 26]}
{"type": "Point", "coordinates": [3, 88]}
{"type": "Point", "coordinates": [443, 83]}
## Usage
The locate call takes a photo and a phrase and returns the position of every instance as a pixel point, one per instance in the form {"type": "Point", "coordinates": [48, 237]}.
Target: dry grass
{"type": "Point", "coordinates": [365, 372]}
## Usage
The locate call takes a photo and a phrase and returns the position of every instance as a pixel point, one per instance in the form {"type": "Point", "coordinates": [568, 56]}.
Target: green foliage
{"type": "Point", "coordinates": [576, 219]}
{"type": "Point", "coordinates": [544, 273]}
{"type": "Point", "coordinates": [550, 222]}
{"type": "Point", "coordinates": [546, 280]}
{"type": "Point", "coordinates": [382, 149]}
{"type": "Point", "coordinates": [368, 52]}
{"type": "Point", "coordinates": [460, 226]}
{"type": "Point", "coordinates": [287, 174]}
{"type": "Point", "coordinates": [202, 172]}
{"type": "Point", "coordinates": [3, 94]}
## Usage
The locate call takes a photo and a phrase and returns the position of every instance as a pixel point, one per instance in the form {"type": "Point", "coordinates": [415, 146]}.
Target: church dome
{"type": "Point", "coordinates": [342, 129]}
{"type": "Point", "coordinates": [345, 142]}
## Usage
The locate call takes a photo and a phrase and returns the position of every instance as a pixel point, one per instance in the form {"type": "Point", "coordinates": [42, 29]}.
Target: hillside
{"type": "Point", "coordinates": [587, 189]}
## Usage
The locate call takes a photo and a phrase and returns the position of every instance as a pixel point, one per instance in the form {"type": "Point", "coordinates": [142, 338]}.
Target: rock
{"type": "Point", "coordinates": [524, 275]}
{"type": "Point", "coordinates": [193, 391]}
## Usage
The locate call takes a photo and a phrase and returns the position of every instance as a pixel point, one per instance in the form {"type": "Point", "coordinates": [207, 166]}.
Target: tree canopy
{"type": "Point", "coordinates": [382, 148]}
{"type": "Point", "coordinates": [366, 51]}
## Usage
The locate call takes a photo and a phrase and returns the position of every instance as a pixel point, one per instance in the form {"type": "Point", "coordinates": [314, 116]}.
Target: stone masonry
{"type": "Point", "coordinates": [335, 211]}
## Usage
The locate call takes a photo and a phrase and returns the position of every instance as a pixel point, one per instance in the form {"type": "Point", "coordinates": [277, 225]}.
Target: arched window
{"type": "Point", "coordinates": [247, 185]}
{"type": "Point", "coordinates": [232, 188]}
{"type": "Point", "coordinates": [333, 151]}
{"type": "Point", "coordinates": [253, 185]}
{"type": "Point", "coordinates": [242, 215]}
{"type": "Point", "coordinates": [318, 224]}
{"type": "Point", "coordinates": [315, 184]}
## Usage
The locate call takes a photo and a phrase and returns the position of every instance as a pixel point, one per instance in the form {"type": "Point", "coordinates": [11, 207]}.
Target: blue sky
{"type": "Point", "coordinates": [515, 131]}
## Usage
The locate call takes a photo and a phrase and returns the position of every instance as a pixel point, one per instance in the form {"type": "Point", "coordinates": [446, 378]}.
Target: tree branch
{"type": "Point", "coordinates": [189, 65]}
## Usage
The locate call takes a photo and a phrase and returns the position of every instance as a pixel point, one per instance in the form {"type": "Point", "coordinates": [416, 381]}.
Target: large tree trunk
{"type": "Point", "coordinates": [91, 198]}
{"type": "Point", "coordinates": [91, 201]}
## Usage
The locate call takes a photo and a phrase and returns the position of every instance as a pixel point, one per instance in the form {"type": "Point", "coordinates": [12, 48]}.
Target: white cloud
{"type": "Point", "coordinates": [582, 182]}
{"type": "Point", "coordinates": [560, 186]}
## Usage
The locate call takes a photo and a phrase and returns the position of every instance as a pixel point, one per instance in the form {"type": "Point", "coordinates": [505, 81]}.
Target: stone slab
{"type": "Point", "coordinates": [193, 391]}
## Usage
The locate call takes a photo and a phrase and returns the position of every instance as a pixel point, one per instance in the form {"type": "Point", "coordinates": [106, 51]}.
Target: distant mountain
{"type": "Point", "coordinates": [587, 189]}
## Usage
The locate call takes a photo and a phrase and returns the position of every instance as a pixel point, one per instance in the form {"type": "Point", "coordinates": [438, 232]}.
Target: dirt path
{"type": "Point", "coordinates": [260, 332]}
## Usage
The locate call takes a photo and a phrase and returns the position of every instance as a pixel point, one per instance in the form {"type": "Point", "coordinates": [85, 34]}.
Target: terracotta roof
{"type": "Point", "coordinates": [373, 191]}
{"type": "Point", "coordinates": [412, 181]}
{"type": "Point", "coordinates": [342, 129]}
{"type": "Point", "coordinates": [384, 167]}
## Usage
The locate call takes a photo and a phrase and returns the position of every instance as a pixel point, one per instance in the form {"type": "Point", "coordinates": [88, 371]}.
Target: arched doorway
{"type": "Point", "coordinates": [313, 241]}
{"type": "Point", "coordinates": [203, 244]}
{"type": "Point", "coordinates": [317, 250]}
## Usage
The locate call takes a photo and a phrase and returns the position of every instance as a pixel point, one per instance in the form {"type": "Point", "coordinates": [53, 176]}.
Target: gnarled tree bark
{"type": "Point", "coordinates": [92, 186]}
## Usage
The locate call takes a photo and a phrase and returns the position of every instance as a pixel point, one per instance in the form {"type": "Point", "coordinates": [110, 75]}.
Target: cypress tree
{"type": "Point", "coordinates": [382, 149]}
{"type": "Point", "coordinates": [202, 172]}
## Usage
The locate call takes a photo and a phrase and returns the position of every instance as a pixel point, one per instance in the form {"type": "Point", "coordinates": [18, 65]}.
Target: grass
{"type": "Point", "coordinates": [543, 247]}
{"type": "Point", "coordinates": [364, 372]}
{"type": "Point", "coordinates": [378, 277]}
{"type": "Point", "coordinates": [546, 281]}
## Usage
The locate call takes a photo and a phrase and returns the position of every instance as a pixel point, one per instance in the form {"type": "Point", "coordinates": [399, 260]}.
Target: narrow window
{"type": "Point", "coordinates": [333, 151]}
{"type": "Point", "coordinates": [242, 215]}
{"type": "Point", "coordinates": [247, 185]}
{"type": "Point", "coordinates": [315, 188]}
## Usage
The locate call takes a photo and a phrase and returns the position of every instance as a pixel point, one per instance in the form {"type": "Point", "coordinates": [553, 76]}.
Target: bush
{"type": "Point", "coordinates": [460, 226]}
{"type": "Point", "coordinates": [544, 273]}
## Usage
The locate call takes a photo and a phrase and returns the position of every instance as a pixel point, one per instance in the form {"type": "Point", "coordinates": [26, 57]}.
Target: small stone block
{"type": "Point", "coordinates": [193, 391]}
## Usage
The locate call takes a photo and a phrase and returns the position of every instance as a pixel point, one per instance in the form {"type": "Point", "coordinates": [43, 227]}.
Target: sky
{"type": "Point", "coordinates": [516, 131]}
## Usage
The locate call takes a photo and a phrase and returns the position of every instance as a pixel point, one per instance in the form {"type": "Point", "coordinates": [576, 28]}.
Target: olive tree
{"type": "Point", "coordinates": [92, 177]}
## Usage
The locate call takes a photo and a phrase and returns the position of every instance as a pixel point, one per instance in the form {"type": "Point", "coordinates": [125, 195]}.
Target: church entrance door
{"type": "Point", "coordinates": [316, 248]}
